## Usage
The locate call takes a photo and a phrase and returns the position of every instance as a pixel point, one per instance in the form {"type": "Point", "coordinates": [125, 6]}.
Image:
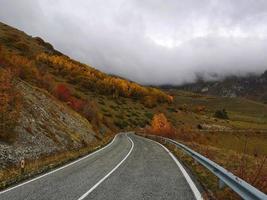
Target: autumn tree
{"type": "Point", "coordinates": [161, 126]}
{"type": "Point", "coordinates": [9, 106]}
{"type": "Point", "coordinates": [94, 80]}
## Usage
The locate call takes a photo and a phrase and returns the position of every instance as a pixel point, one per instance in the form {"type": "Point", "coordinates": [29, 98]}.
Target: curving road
{"type": "Point", "coordinates": [130, 167]}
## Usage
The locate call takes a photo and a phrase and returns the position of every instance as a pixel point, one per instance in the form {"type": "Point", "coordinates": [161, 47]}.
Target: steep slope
{"type": "Point", "coordinates": [45, 126]}
{"type": "Point", "coordinates": [80, 86]}
{"type": "Point", "coordinates": [51, 103]}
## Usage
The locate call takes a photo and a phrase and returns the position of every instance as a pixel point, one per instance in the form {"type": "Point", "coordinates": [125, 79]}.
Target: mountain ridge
{"type": "Point", "coordinates": [252, 87]}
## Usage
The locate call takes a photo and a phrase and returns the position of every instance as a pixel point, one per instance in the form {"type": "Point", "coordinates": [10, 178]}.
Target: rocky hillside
{"type": "Point", "coordinates": [252, 87]}
{"type": "Point", "coordinates": [45, 126]}
{"type": "Point", "coordinates": [51, 103]}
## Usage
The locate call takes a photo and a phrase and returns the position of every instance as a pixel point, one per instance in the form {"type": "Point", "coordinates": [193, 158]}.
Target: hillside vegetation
{"type": "Point", "coordinates": [236, 142]}
{"type": "Point", "coordinates": [79, 86]}
{"type": "Point", "coordinates": [253, 87]}
{"type": "Point", "coordinates": [54, 109]}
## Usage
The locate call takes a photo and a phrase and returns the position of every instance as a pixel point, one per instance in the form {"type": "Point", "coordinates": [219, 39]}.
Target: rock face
{"type": "Point", "coordinates": [252, 87]}
{"type": "Point", "coordinates": [45, 126]}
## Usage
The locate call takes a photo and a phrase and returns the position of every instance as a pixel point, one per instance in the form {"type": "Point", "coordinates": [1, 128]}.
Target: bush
{"type": "Point", "coordinates": [62, 92]}
{"type": "Point", "coordinates": [121, 124]}
{"type": "Point", "coordinates": [26, 68]}
{"type": "Point", "coordinates": [149, 115]}
{"type": "Point", "coordinates": [77, 104]}
{"type": "Point", "coordinates": [221, 114]}
{"type": "Point", "coordinates": [161, 126]}
{"type": "Point", "coordinates": [149, 101]}
{"type": "Point", "coordinates": [10, 105]}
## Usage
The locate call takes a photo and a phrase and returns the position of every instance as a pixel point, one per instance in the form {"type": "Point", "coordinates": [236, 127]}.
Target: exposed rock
{"type": "Point", "coordinates": [215, 127]}
{"type": "Point", "coordinates": [45, 126]}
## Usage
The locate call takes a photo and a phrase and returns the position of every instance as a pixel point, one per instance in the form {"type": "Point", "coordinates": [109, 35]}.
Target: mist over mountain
{"type": "Point", "coordinates": [81, 82]}
{"type": "Point", "coordinates": [251, 86]}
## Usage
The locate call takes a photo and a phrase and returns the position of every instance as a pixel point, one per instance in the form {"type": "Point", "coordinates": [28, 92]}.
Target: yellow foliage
{"type": "Point", "coordinates": [93, 79]}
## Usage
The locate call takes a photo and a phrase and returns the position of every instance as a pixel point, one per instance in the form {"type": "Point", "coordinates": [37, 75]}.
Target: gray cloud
{"type": "Point", "coordinates": [151, 41]}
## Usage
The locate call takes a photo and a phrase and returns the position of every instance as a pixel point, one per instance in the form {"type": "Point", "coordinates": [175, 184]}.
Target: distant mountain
{"type": "Point", "coordinates": [252, 87]}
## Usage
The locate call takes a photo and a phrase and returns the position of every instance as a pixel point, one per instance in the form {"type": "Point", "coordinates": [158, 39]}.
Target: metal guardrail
{"type": "Point", "coordinates": [241, 187]}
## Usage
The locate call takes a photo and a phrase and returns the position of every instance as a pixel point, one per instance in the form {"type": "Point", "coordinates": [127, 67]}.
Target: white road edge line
{"type": "Point", "coordinates": [192, 185]}
{"type": "Point", "coordinates": [105, 177]}
{"type": "Point", "coordinates": [51, 172]}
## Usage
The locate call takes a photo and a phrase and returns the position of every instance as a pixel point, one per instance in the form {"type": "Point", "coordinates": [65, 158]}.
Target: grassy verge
{"type": "Point", "coordinates": [45, 163]}
{"type": "Point", "coordinates": [251, 168]}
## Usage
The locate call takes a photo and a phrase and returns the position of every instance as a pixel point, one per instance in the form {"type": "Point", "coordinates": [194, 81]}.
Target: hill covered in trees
{"type": "Point", "coordinates": [36, 62]}
{"type": "Point", "coordinates": [53, 108]}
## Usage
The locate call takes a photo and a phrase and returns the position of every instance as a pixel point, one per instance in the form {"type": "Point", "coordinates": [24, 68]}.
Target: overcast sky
{"type": "Point", "coordinates": [151, 41]}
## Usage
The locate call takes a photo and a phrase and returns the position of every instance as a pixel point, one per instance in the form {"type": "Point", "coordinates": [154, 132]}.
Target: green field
{"type": "Point", "coordinates": [243, 113]}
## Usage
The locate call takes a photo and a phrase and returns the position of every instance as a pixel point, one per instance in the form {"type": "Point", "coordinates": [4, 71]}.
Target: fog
{"type": "Point", "coordinates": [151, 41]}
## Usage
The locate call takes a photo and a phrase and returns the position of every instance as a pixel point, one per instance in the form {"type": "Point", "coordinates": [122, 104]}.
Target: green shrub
{"type": "Point", "coordinates": [121, 124]}
{"type": "Point", "coordinates": [149, 115]}
{"type": "Point", "coordinates": [171, 109]}
{"type": "Point", "coordinates": [221, 114]}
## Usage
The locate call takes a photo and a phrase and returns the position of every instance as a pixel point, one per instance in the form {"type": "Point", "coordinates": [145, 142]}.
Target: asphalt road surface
{"type": "Point", "coordinates": [130, 167]}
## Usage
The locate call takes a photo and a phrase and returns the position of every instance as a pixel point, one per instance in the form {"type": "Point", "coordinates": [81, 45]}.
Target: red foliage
{"type": "Point", "coordinates": [77, 104]}
{"type": "Point", "coordinates": [62, 92]}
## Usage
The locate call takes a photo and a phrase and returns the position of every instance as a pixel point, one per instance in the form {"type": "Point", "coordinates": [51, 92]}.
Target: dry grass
{"type": "Point", "coordinates": [250, 167]}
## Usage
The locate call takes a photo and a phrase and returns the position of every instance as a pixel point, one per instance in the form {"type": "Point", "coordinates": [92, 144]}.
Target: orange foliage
{"type": "Point", "coordinates": [9, 106]}
{"type": "Point", "coordinates": [161, 126]}
{"type": "Point", "coordinates": [25, 67]}
{"type": "Point", "coordinates": [37, 69]}
{"type": "Point", "coordinates": [92, 79]}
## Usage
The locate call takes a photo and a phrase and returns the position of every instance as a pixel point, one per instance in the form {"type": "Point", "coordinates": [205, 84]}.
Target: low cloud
{"type": "Point", "coordinates": [151, 41]}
